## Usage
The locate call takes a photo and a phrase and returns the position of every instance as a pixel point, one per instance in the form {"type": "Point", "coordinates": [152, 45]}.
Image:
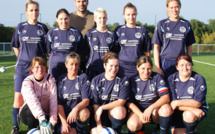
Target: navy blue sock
{"type": "Point", "coordinates": [80, 126]}
{"type": "Point", "coordinates": [190, 127]}
{"type": "Point", "coordinates": [117, 124]}
{"type": "Point", "coordinates": [15, 113]}
{"type": "Point", "coordinates": [164, 124]}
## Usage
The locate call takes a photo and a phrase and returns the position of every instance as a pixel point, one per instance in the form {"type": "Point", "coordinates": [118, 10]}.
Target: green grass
{"type": "Point", "coordinates": [7, 94]}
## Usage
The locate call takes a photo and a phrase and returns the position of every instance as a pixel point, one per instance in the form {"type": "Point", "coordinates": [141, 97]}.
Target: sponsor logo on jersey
{"type": "Point", "coordinates": [162, 82]}
{"type": "Point", "coordinates": [39, 32]}
{"type": "Point", "coordinates": [56, 44]}
{"type": "Point", "coordinates": [182, 29]}
{"type": "Point", "coordinates": [77, 86]}
{"type": "Point", "coordinates": [95, 47]}
{"type": "Point", "coordinates": [94, 39]}
{"type": "Point", "coordinates": [105, 97]}
{"type": "Point", "coordinates": [92, 87]}
{"type": "Point", "coordinates": [24, 31]}
{"type": "Point", "coordinates": [190, 90]}
{"type": "Point", "coordinates": [138, 35]}
{"type": "Point", "coordinates": [167, 28]}
{"type": "Point", "coordinates": [202, 88]}
{"type": "Point", "coordinates": [116, 88]}
{"type": "Point", "coordinates": [25, 38]}
{"type": "Point", "coordinates": [108, 40]}
{"type": "Point", "coordinates": [72, 38]}
{"type": "Point", "coordinates": [122, 34]}
{"type": "Point", "coordinates": [138, 97]}
{"type": "Point", "coordinates": [152, 87]}
{"type": "Point", "coordinates": [55, 38]}
{"type": "Point", "coordinates": [168, 35]}
{"type": "Point", "coordinates": [123, 41]}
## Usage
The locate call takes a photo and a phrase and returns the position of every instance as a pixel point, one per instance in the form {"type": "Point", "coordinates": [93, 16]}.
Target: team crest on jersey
{"type": "Point", "coordinates": [24, 31]}
{"type": "Point", "coordinates": [94, 39]}
{"type": "Point", "coordinates": [39, 32]}
{"type": "Point", "coordinates": [190, 90]}
{"type": "Point", "coordinates": [122, 34]}
{"type": "Point", "coordinates": [108, 40]}
{"type": "Point", "coordinates": [95, 48]}
{"type": "Point", "coordinates": [25, 38]}
{"type": "Point", "coordinates": [71, 38]}
{"type": "Point", "coordinates": [126, 83]}
{"type": "Point", "coordinates": [92, 87]}
{"type": "Point", "coordinates": [116, 88]}
{"type": "Point", "coordinates": [64, 88]}
{"type": "Point", "coordinates": [77, 86]}
{"type": "Point", "coordinates": [167, 28]}
{"type": "Point", "coordinates": [123, 41]}
{"type": "Point", "coordinates": [152, 87]}
{"type": "Point", "coordinates": [138, 35]}
{"type": "Point", "coordinates": [182, 29]}
{"type": "Point", "coordinates": [168, 35]}
{"type": "Point", "coordinates": [202, 88]}
{"type": "Point", "coordinates": [162, 82]}
{"type": "Point", "coordinates": [55, 38]}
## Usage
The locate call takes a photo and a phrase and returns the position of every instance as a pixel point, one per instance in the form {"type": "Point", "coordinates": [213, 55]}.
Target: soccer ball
{"type": "Point", "coordinates": [107, 130]}
{"type": "Point", "coordinates": [34, 131]}
{"type": "Point", "coordinates": [2, 69]}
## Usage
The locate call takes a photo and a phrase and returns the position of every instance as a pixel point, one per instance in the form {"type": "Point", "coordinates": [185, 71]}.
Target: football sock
{"type": "Point", "coordinates": [190, 127]}
{"type": "Point", "coordinates": [117, 124]}
{"type": "Point", "coordinates": [81, 125]}
{"type": "Point", "coordinates": [164, 124]}
{"type": "Point", "coordinates": [15, 113]}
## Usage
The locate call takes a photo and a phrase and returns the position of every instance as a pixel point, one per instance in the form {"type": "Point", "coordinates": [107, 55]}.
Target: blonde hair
{"type": "Point", "coordinates": [109, 55]}
{"type": "Point", "coordinates": [144, 59]}
{"type": "Point", "coordinates": [99, 10]}
{"type": "Point", "coordinates": [168, 1]}
{"type": "Point", "coordinates": [30, 2]}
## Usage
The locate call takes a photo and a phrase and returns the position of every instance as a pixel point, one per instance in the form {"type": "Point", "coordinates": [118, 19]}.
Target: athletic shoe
{"type": "Point", "coordinates": [15, 130]}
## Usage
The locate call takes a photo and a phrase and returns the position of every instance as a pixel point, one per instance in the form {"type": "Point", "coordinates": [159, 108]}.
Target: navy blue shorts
{"type": "Point", "coordinates": [168, 67]}
{"type": "Point", "coordinates": [104, 120]}
{"type": "Point", "coordinates": [18, 79]}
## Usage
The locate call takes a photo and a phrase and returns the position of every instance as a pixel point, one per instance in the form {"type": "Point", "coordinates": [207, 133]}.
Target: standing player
{"type": "Point", "coordinates": [110, 93]}
{"type": "Point", "coordinates": [134, 41]}
{"type": "Point", "coordinates": [100, 40]}
{"type": "Point", "coordinates": [83, 20]}
{"type": "Point", "coordinates": [73, 97]}
{"type": "Point", "coordinates": [149, 99]}
{"type": "Point", "coordinates": [171, 37]}
{"type": "Point", "coordinates": [60, 41]}
{"type": "Point", "coordinates": [27, 42]}
{"type": "Point", "coordinates": [40, 96]}
{"type": "Point", "coordinates": [188, 93]}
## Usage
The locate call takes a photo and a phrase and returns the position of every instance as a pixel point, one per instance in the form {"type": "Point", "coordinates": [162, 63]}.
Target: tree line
{"type": "Point", "coordinates": [204, 33]}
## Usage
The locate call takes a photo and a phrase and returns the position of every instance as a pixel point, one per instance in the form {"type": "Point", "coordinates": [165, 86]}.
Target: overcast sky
{"type": "Point", "coordinates": [149, 11]}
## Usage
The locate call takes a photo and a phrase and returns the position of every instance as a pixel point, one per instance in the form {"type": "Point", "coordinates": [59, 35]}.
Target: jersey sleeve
{"type": "Point", "coordinates": [171, 86]}
{"type": "Point", "coordinates": [132, 89]}
{"type": "Point", "coordinates": [190, 36]}
{"type": "Point", "coordinates": [30, 97]}
{"type": "Point", "coordinates": [15, 39]}
{"type": "Point", "coordinates": [124, 91]}
{"type": "Point", "coordinates": [116, 47]}
{"type": "Point", "coordinates": [48, 41]}
{"type": "Point", "coordinates": [200, 90]}
{"type": "Point", "coordinates": [147, 41]}
{"type": "Point", "coordinates": [53, 100]}
{"type": "Point", "coordinates": [60, 99]}
{"type": "Point", "coordinates": [85, 88]}
{"type": "Point", "coordinates": [162, 87]}
{"type": "Point", "coordinates": [95, 93]}
{"type": "Point", "coordinates": [157, 37]}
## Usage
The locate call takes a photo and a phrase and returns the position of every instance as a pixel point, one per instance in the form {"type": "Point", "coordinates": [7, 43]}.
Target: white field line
{"type": "Point", "coordinates": [204, 63]}
{"type": "Point", "coordinates": [10, 66]}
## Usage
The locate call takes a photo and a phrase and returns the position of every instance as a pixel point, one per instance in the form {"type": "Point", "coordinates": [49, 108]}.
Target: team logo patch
{"type": "Point", "coordinates": [95, 47]}
{"type": "Point", "coordinates": [168, 35]}
{"type": "Point", "coordinates": [24, 31]}
{"type": "Point", "coordinates": [108, 40]}
{"type": "Point", "coordinates": [122, 34]}
{"type": "Point", "coordinates": [39, 32]}
{"type": "Point", "coordinates": [202, 88]}
{"type": "Point", "coordinates": [64, 88]}
{"type": "Point", "coordinates": [126, 83]}
{"type": "Point", "coordinates": [182, 29]}
{"type": "Point", "coordinates": [92, 87]}
{"type": "Point", "coordinates": [138, 35]}
{"type": "Point", "coordinates": [55, 38]}
{"type": "Point", "coordinates": [123, 41]}
{"type": "Point", "coordinates": [152, 87]}
{"type": "Point", "coordinates": [116, 88]}
{"type": "Point", "coordinates": [25, 38]}
{"type": "Point", "coordinates": [77, 86]}
{"type": "Point", "coordinates": [71, 38]}
{"type": "Point", "coordinates": [94, 39]}
{"type": "Point", "coordinates": [162, 82]}
{"type": "Point", "coordinates": [167, 28]}
{"type": "Point", "coordinates": [190, 90]}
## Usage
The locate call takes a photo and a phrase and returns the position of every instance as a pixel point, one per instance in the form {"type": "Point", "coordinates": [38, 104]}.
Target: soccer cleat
{"type": "Point", "coordinates": [15, 130]}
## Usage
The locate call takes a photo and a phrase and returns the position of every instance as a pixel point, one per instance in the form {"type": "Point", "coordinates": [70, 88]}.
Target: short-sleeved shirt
{"type": "Point", "coordinates": [99, 43]}
{"type": "Point", "coordinates": [173, 37]}
{"type": "Point", "coordinates": [30, 40]}
{"type": "Point", "coordinates": [193, 89]}
{"type": "Point", "coordinates": [145, 93]}
{"type": "Point", "coordinates": [133, 42]}
{"type": "Point", "coordinates": [59, 43]}
{"type": "Point", "coordinates": [72, 92]}
{"type": "Point", "coordinates": [105, 91]}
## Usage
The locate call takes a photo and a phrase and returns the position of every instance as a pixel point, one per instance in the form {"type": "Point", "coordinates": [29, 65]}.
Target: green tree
{"type": "Point", "coordinates": [6, 33]}
{"type": "Point", "coordinates": [208, 38]}
{"type": "Point", "coordinates": [211, 25]}
{"type": "Point", "coordinates": [55, 24]}
{"type": "Point", "coordinates": [47, 24]}
{"type": "Point", "coordinates": [112, 27]}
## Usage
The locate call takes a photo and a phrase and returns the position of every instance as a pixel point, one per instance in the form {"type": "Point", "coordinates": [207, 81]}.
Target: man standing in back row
{"type": "Point", "coordinates": [83, 20]}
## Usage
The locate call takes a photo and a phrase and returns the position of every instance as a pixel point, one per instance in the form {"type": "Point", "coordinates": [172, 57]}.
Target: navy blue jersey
{"type": "Point", "coordinates": [99, 43]}
{"type": "Point", "coordinates": [72, 92]}
{"type": "Point", "coordinates": [195, 88]}
{"type": "Point", "coordinates": [133, 42]}
{"type": "Point", "coordinates": [145, 93]}
{"type": "Point", "coordinates": [59, 43]}
{"type": "Point", "coordinates": [105, 91]}
{"type": "Point", "coordinates": [173, 37]}
{"type": "Point", "coordinates": [30, 40]}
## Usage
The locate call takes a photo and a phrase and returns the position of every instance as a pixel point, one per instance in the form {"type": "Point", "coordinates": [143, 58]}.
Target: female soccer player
{"type": "Point", "coordinates": [28, 42]}
{"type": "Point", "coordinates": [110, 93]}
{"type": "Point", "coordinates": [60, 41]}
{"type": "Point", "coordinates": [171, 37]}
{"type": "Point", "coordinates": [188, 93]}
{"type": "Point", "coordinates": [40, 96]}
{"type": "Point", "coordinates": [100, 40]}
{"type": "Point", "coordinates": [73, 97]}
{"type": "Point", "coordinates": [149, 99]}
{"type": "Point", "coordinates": [134, 41]}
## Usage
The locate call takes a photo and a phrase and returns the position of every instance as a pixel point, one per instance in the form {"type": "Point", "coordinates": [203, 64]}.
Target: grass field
{"type": "Point", "coordinates": [7, 92]}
